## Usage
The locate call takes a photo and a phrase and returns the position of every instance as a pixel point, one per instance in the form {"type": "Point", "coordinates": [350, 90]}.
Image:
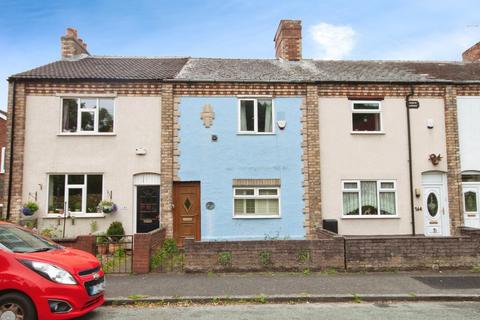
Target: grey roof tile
{"type": "Point", "coordinates": [107, 68]}
{"type": "Point", "coordinates": [207, 69]}
{"type": "Point", "coordinates": [254, 70]}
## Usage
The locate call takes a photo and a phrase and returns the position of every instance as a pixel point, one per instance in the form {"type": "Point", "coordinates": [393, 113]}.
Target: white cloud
{"type": "Point", "coordinates": [332, 42]}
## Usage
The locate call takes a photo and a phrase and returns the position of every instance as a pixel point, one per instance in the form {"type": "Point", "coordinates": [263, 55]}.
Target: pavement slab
{"type": "Point", "coordinates": [291, 285]}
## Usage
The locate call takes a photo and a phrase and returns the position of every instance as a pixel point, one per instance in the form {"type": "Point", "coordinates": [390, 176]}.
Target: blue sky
{"type": "Point", "coordinates": [405, 29]}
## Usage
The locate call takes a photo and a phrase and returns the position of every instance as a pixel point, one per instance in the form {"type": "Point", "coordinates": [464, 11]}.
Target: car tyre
{"type": "Point", "coordinates": [16, 305]}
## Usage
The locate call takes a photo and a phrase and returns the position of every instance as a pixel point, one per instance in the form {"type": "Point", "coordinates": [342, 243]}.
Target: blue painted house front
{"type": "Point", "coordinates": [216, 154]}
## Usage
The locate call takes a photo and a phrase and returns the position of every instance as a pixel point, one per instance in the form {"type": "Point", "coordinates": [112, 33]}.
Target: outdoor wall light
{"type": "Point", "coordinates": [140, 151]}
{"type": "Point", "coordinates": [282, 124]}
{"type": "Point", "coordinates": [214, 138]}
{"type": "Point", "coordinates": [417, 192]}
{"type": "Point", "coordinates": [430, 124]}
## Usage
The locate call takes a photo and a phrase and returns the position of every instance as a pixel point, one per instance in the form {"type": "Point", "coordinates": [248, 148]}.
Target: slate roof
{"type": "Point", "coordinates": [107, 68]}
{"type": "Point", "coordinates": [254, 70]}
{"type": "Point", "coordinates": [205, 69]}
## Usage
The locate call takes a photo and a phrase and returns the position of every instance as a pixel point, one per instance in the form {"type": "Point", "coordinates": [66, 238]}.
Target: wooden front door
{"type": "Point", "coordinates": [186, 211]}
{"type": "Point", "coordinates": [148, 208]}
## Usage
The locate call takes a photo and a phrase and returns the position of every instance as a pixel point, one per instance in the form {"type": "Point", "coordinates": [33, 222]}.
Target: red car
{"type": "Point", "coordinates": [42, 280]}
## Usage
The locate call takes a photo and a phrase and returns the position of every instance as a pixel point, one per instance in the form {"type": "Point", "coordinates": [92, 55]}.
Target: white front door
{"type": "Point", "coordinates": [435, 210]}
{"type": "Point", "coordinates": [471, 215]}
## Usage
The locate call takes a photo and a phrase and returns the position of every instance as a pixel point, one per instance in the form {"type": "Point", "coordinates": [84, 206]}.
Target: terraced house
{"type": "Point", "coordinates": [238, 149]}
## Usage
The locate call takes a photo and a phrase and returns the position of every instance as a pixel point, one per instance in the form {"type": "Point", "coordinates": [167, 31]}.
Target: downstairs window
{"type": "Point", "coordinates": [369, 198]}
{"type": "Point", "coordinates": [79, 193]}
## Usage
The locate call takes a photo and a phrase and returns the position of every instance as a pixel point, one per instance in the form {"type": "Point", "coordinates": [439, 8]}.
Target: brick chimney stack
{"type": "Point", "coordinates": [288, 40]}
{"type": "Point", "coordinates": [72, 45]}
{"type": "Point", "coordinates": [472, 54]}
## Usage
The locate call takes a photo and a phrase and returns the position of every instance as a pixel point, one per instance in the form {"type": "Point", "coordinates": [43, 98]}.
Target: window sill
{"type": "Point", "coordinates": [256, 133]}
{"type": "Point", "coordinates": [86, 134]}
{"type": "Point", "coordinates": [75, 215]}
{"type": "Point", "coordinates": [369, 217]}
{"type": "Point", "coordinates": [256, 217]}
{"type": "Point", "coordinates": [367, 132]}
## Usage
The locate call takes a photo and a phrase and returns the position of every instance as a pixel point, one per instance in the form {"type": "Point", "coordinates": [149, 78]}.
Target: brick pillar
{"type": "Point", "coordinates": [18, 145]}
{"type": "Point", "coordinates": [166, 164]}
{"type": "Point", "coordinates": [453, 160]}
{"type": "Point", "coordinates": [311, 161]}
{"type": "Point", "coordinates": [141, 252]}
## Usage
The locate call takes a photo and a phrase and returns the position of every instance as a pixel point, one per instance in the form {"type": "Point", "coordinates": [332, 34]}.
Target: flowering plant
{"type": "Point", "coordinates": [29, 208]}
{"type": "Point", "coordinates": [107, 206]}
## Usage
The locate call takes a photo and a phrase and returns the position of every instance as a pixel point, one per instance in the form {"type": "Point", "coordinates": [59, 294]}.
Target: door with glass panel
{"type": "Point", "coordinates": [433, 210]}
{"type": "Point", "coordinates": [470, 205]}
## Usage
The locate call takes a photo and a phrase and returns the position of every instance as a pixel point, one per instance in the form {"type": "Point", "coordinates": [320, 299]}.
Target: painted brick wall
{"type": "Point", "coordinates": [222, 89]}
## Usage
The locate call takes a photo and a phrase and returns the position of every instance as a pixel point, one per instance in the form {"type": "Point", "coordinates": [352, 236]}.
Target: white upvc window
{"type": "Point", "coordinates": [256, 202]}
{"type": "Point", "coordinates": [366, 116]}
{"type": "Point", "coordinates": [369, 198]}
{"type": "Point", "coordinates": [256, 116]}
{"type": "Point", "coordinates": [79, 194]}
{"type": "Point", "coordinates": [88, 115]}
{"type": "Point", "coordinates": [2, 161]}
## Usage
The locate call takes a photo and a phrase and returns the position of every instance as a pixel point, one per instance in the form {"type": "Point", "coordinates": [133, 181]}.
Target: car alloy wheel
{"type": "Point", "coordinates": [11, 311]}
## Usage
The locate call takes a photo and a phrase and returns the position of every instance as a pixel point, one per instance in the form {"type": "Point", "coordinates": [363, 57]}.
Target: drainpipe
{"type": "Point", "coordinates": [12, 130]}
{"type": "Point", "coordinates": [410, 165]}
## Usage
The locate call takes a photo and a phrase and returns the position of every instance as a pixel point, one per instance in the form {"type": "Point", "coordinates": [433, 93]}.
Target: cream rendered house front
{"type": "Point", "coordinates": [365, 166]}
{"type": "Point", "coordinates": [74, 166]}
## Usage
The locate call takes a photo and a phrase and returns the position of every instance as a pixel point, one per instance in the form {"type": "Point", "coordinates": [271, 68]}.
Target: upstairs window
{"type": "Point", "coordinates": [255, 116]}
{"type": "Point", "coordinates": [87, 115]}
{"type": "Point", "coordinates": [366, 116]}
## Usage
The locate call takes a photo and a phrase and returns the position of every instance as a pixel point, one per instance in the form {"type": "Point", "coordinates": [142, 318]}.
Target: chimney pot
{"type": "Point", "coordinates": [472, 54]}
{"type": "Point", "coordinates": [288, 40]}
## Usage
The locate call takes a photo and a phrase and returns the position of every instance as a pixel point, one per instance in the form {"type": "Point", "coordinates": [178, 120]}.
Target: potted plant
{"type": "Point", "coordinates": [102, 244]}
{"type": "Point", "coordinates": [29, 208]}
{"type": "Point", "coordinates": [107, 206]}
{"type": "Point", "coordinates": [115, 233]}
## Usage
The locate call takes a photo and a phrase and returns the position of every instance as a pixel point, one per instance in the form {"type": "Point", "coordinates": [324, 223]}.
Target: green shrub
{"type": "Point", "coordinates": [115, 231]}
{"type": "Point", "coordinates": [304, 256]}
{"type": "Point", "coordinates": [265, 258]}
{"type": "Point", "coordinates": [225, 258]}
{"type": "Point", "coordinates": [168, 257]}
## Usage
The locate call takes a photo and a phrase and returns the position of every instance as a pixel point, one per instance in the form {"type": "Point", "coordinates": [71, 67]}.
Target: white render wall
{"type": "Point", "coordinates": [345, 156]}
{"type": "Point", "coordinates": [137, 124]}
{"type": "Point", "coordinates": [468, 109]}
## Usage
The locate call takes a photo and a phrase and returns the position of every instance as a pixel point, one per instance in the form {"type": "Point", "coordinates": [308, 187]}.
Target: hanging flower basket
{"type": "Point", "coordinates": [107, 206]}
{"type": "Point", "coordinates": [29, 208]}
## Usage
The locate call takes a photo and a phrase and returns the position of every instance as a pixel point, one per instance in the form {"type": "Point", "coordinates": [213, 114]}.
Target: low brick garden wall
{"type": "Point", "coordinates": [144, 245]}
{"type": "Point", "coordinates": [341, 253]}
{"type": "Point", "coordinates": [281, 255]}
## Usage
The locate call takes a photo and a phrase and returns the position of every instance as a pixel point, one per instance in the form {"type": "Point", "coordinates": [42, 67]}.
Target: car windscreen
{"type": "Point", "coordinates": [19, 240]}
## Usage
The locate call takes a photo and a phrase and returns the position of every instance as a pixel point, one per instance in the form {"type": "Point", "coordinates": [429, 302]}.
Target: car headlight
{"type": "Point", "coordinates": [51, 272]}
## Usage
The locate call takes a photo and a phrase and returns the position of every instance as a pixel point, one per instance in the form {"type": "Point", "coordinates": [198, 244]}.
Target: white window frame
{"type": "Point", "coordinates": [96, 111]}
{"type": "Point", "coordinates": [379, 112]}
{"type": "Point", "coordinates": [255, 116]}
{"type": "Point", "coordinates": [256, 196]}
{"type": "Point", "coordinates": [83, 187]}
{"type": "Point", "coordinates": [359, 192]}
{"type": "Point", "coordinates": [2, 161]}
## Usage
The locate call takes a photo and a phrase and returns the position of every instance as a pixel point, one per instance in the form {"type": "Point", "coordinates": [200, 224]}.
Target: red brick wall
{"type": "Point", "coordinates": [85, 243]}
{"type": "Point", "coordinates": [144, 244]}
{"type": "Point", "coordinates": [413, 253]}
{"type": "Point", "coordinates": [247, 255]}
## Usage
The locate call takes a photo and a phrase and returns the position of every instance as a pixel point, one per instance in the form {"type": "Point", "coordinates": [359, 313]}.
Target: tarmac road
{"type": "Point", "coordinates": [336, 311]}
